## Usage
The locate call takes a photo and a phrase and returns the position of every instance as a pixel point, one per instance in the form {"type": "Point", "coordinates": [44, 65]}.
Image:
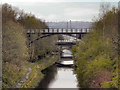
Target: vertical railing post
{"type": "Point", "coordinates": [48, 30]}
{"type": "Point", "coordinates": [62, 30]}
{"type": "Point", "coordinates": [76, 30]}
{"type": "Point", "coordinates": [71, 30]}
{"type": "Point", "coordinates": [57, 30]}
{"type": "Point", "coordinates": [53, 30]}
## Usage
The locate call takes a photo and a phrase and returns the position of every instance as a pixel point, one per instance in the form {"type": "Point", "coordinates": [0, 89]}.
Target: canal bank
{"type": "Point", "coordinates": [59, 77]}
{"type": "Point", "coordinates": [36, 75]}
{"type": "Point", "coordinates": [52, 73]}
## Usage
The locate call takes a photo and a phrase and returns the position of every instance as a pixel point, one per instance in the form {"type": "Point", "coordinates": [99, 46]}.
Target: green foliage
{"type": "Point", "coordinates": [8, 13]}
{"type": "Point", "coordinates": [14, 42]}
{"type": "Point", "coordinates": [111, 84]}
{"type": "Point", "coordinates": [36, 69]}
{"type": "Point", "coordinates": [98, 53]}
{"type": "Point", "coordinates": [16, 52]}
{"type": "Point", "coordinates": [44, 46]}
{"type": "Point", "coordinates": [40, 47]}
{"type": "Point", "coordinates": [31, 22]}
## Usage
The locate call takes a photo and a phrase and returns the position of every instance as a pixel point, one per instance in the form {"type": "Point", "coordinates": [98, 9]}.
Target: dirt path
{"type": "Point", "coordinates": [35, 75]}
{"type": "Point", "coordinates": [23, 80]}
{"type": "Point", "coordinates": [19, 84]}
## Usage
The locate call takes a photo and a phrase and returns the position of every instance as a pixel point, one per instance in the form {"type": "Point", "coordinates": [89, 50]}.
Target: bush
{"type": "Point", "coordinates": [96, 56]}
{"type": "Point", "coordinates": [15, 53]}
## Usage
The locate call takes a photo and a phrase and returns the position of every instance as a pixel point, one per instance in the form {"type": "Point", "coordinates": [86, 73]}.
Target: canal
{"type": "Point", "coordinates": [60, 77]}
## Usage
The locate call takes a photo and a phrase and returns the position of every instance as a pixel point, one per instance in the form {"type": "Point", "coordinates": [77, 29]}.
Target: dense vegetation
{"type": "Point", "coordinates": [16, 50]}
{"type": "Point", "coordinates": [96, 57]}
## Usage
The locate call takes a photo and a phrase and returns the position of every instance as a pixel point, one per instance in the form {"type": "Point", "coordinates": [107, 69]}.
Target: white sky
{"type": "Point", "coordinates": [60, 0]}
{"type": "Point", "coordinates": [61, 10]}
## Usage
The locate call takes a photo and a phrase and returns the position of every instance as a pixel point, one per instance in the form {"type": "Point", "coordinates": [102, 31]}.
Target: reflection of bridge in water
{"type": "Point", "coordinates": [67, 42]}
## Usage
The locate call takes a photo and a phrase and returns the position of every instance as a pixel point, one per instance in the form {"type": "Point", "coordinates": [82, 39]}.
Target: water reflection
{"type": "Point", "coordinates": [50, 74]}
{"type": "Point", "coordinates": [57, 77]}
{"type": "Point", "coordinates": [67, 62]}
{"type": "Point", "coordinates": [65, 78]}
{"type": "Point", "coordinates": [66, 53]}
{"type": "Point", "coordinates": [60, 77]}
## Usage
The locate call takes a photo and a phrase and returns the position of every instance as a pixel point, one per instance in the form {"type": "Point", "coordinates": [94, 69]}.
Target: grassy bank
{"type": "Point", "coordinates": [16, 53]}
{"type": "Point", "coordinates": [36, 75]}
{"type": "Point", "coordinates": [97, 58]}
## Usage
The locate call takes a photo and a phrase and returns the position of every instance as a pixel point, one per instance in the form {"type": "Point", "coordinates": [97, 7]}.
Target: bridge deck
{"type": "Point", "coordinates": [59, 31]}
{"type": "Point", "coordinates": [66, 42]}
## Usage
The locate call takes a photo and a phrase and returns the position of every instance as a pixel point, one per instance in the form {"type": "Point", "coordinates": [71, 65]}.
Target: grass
{"type": "Point", "coordinates": [10, 78]}
{"type": "Point", "coordinates": [36, 75]}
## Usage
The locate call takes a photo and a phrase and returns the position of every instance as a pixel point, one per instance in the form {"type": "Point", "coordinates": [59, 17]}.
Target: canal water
{"type": "Point", "coordinates": [60, 77]}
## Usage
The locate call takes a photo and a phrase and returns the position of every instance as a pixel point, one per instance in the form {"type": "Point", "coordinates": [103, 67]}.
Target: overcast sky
{"type": "Point", "coordinates": [61, 10]}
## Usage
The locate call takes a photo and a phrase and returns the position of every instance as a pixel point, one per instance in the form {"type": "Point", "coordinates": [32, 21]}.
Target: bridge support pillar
{"type": "Point", "coordinates": [30, 46]}
{"type": "Point", "coordinates": [80, 36]}
{"type": "Point", "coordinates": [60, 48]}
{"type": "Point", "coordinates": [38, 34]}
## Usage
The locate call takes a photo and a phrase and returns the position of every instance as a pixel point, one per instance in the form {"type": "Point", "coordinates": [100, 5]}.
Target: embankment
{"type": "Point", "coordinates": [97, 58]}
